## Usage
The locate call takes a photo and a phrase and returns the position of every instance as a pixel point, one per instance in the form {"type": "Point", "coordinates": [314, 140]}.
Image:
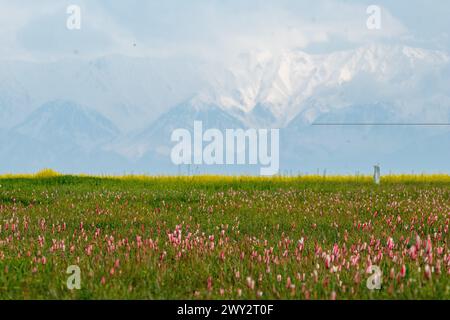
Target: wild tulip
{"type": "Point", "coordinates": [427, 272]}
{"type": "Point", "coordinates": [357, 278]}
{"type": "Point", "coordinates": [438, 268]}
{"type": "Point", "coordinates": [300, 244]}
{"type": "Point", "coordinates": [307, 295]}
{"type": "Point", "coordinates": [403, 271]}
{"type": "Point", "coordinates": [392, 273]}
{"type": "Point", "coordinates": [328, 262]}
{"type": "Point", "coordinates": [288, 282]}
{"type": "Point", "coordinates": [250, 283]}
{"type": "Point", "coordinates": [209, 283]}
{"type": "Point", "coordinates": [413, 252]}
{"type": "Point", "coordinates": [336, 250]}
{"type": "Point", "coordinates": [333, 295]}
{"type": "Point", "coordinates": [418, 242]}
{"type": "Point", "coordinates": [390, 244]}
{"type": "Point", "coordinates": [428, 246]}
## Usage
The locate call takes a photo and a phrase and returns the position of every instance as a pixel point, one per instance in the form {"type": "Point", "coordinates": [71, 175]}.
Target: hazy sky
{"type": "Point", "coordinates": [37, 30]}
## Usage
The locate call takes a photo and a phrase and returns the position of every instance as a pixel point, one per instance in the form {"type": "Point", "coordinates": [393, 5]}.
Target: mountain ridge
{"type": "Point", "coordinates": [292, 91]}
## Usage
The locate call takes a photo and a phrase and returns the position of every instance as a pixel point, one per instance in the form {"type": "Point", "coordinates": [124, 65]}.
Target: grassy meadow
{"type": "Point", "coordinates": [140, 237]}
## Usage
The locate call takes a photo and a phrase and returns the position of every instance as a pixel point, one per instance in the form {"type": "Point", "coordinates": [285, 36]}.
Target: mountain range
{"type": "Point", "coordinates": [341, 112]}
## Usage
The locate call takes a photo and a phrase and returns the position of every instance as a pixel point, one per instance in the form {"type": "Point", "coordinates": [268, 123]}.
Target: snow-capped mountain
{"type": "Point", "coordinates": [132, 105]}
{"type": "Point", "coordinates": [66, 123]}
{"type": "Point", "coordinates": [61, 135]}
{"type": "Point", "coordinates": [156, 138]}
{"type": "Point", "coordinates": [272, 89]}
{"type": "Point", "coordinates": [130, 91]}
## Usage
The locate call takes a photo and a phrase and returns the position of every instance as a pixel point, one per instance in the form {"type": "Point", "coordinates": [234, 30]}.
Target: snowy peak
{"type": "Point", "coordinates": [130, 91]}
{"type": "Point", "coordinates": [275, 87]}
{"type": "Point", "coordinates": [157, 137]}
{"type": "Point", "coordinates": [65, 122]}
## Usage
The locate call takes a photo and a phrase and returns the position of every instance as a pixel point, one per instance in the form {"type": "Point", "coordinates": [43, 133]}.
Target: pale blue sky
{"type": "Point", "coordinates": [211, 28]}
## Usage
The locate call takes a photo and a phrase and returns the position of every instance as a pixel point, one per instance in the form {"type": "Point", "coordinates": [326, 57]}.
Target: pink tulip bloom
{"type": "Point", "coordinates": [209, 283]}
{"type": "Point", "coordinates": [336, 250]}
{"type": "Point", "coordinates": [403, 271]}
{"type": "Point", "coordinates": [250, 283]}
{"type": "Point", "coordinates": [288, 282]}
{"type": "Point", "coordinates": [333, 295]}
{"type": "Point", "coordinates": [328, 262]}
{"type": "Point", "coordinates": [390, 244]}
{"type": "Point", "coordinates": [428, 246]}
{"type": "Point", "coordinates": [427, 272]}
{"type": "Point", "coordinates": [413, 252]}
{"type": "Point", "coordinates": [418, 242]}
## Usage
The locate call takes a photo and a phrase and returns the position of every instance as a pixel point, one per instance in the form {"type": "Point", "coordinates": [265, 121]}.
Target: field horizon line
{"type": "Point", "coordinates": [49, 174]}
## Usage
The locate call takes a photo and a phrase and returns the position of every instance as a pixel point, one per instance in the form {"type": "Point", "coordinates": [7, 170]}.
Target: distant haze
{"type": "Point", "coordinates": [105, 98]}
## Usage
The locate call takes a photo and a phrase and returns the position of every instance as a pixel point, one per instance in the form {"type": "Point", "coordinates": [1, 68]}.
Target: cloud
{"type": "Point", "coordinates": [37, 30]}
{"type": "Point", "coordinates": [202, 28]}
{"type": "Point", "coordinates": [233, 26]}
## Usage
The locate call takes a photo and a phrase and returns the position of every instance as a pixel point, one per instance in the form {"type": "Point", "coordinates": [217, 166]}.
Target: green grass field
{"type": "Point", "coordinates": [224, 238]}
